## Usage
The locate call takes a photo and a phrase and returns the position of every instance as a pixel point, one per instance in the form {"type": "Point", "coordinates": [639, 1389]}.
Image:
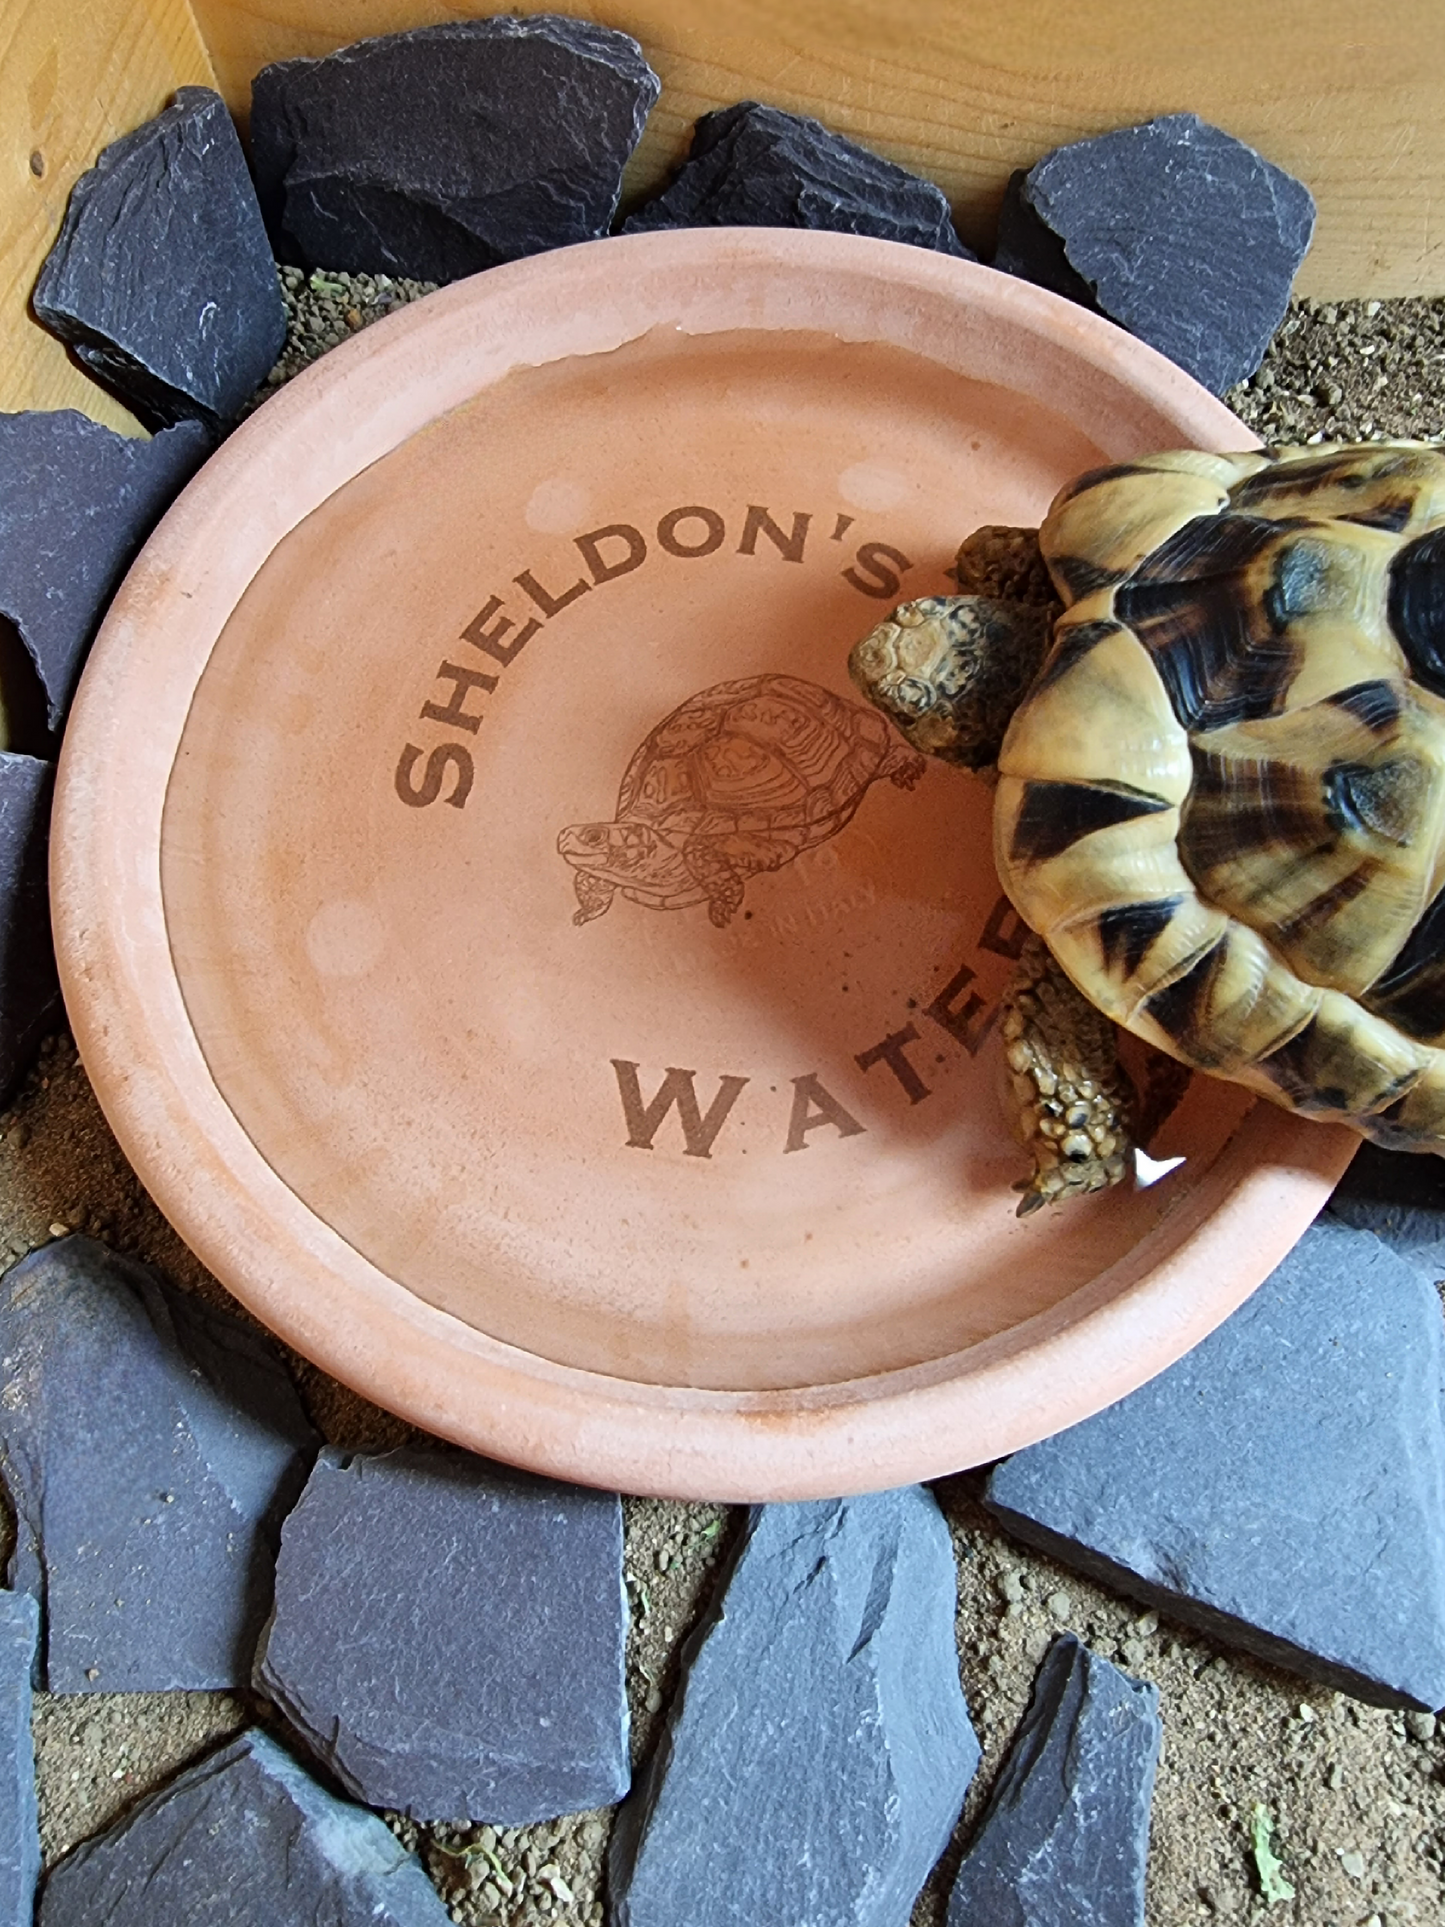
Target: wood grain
{"type": "Point", "coordinates": [1346, 95]}
{"type": "Point", "coordinates": [72, 78]}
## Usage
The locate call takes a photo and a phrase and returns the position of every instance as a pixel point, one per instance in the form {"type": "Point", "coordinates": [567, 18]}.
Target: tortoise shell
{"type": "Point", "coordinates": [1222, 803]}
{"type": "Point", "coordinates": [740, 778]}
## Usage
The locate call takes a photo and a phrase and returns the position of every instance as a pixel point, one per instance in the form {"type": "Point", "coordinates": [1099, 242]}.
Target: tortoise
{"type": "Point", "coordinates": [1211, 694]}
{"type": "Point", "coordinates": [740, 778]}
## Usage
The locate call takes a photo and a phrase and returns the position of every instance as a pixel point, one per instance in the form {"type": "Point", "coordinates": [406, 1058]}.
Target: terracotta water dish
{"type": "Point", "coordinates": [400, 919]}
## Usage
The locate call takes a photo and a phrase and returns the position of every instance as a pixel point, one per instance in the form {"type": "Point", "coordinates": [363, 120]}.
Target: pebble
{"type": "Point", "coordinates": [1059, 1606]}
{"type": "Point", "coordinates": [1420, 1726]}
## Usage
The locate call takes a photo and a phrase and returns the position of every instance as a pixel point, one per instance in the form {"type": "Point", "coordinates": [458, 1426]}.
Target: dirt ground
{"type": "Point", "coordinates": [1356, 1795]}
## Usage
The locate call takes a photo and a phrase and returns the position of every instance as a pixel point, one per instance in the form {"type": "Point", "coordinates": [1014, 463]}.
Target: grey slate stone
{"type": "Point", "coordinates": [753, 166]}
{"type": "Point", "coordinates": [449, 1636]}
{"type": "Point", "coordinates": [1283, 1486]}
{"type": "Point", "coordinates": [19, 1819]}
{"type": "Point", "coordinates": [30, 1003]}
{"type": "Point", "coordinates": [76, 503]}
{"type": "Point", "coordinates": [816, 1757]}
{"type": "Point", "coordinates": [1064, 1838]}
{"type": "Point", "coordinates": [1400, 1196]}
{"type": "Point", "coordinates": [242, 1839]}
{"type": "Point", "coordinates": [448, 149]}
{"type": "Point", "coordinates": [1180, 232]}
{"type": "Point", "coordinates": [162, 279]}
{"type": "Point", "coordinates": [151, 1447]}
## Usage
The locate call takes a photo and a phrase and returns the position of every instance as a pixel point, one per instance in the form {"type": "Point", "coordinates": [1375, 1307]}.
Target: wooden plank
{"type": "Point", "coordinates": [72, 78]}
{"type": "Point", "coordinates": [1346, 94]}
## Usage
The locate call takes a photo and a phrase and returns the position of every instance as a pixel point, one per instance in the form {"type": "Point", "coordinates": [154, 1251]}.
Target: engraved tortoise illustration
{"type": "Point", "coordinates": [1213, 692]}
{"type": "Point", "coordinates": [740, 778]}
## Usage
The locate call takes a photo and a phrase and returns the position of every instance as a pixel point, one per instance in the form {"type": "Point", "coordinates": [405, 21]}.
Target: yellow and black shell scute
{"type": "Point", "coordinates": [1222, 804]}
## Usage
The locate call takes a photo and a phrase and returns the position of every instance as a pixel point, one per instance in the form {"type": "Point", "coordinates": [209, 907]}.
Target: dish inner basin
{"type": "Point", "coordinates": [687, 1140]}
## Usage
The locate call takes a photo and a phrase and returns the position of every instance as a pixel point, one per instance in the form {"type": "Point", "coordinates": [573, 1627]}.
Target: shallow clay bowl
{"type": "Point", "coordinates": [516, 962]}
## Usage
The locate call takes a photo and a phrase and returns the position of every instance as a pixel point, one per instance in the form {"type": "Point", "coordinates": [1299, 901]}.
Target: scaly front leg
{"type": "Point", "coordinates": [1071, 1097]}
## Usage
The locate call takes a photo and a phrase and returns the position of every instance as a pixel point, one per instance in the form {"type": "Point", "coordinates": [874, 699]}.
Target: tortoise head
{"type": "Point", "coordinates": [613, 852]}
{"type": "Point", "coordinates": [949, 671]}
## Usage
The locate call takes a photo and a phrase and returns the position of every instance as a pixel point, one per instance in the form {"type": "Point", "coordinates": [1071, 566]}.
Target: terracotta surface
{"type": "Point", "coordinates": [405, 1087]}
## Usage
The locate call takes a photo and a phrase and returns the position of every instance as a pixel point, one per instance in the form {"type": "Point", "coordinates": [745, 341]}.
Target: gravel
{"type": "Point", "coordinates": [1337, 1778]}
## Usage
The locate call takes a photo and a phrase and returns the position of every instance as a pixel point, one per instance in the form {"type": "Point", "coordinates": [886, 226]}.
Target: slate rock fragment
{"type": "Point", "coordinates": [816, 1756]}
{"type": "Point", "coordinates": [76, 503]}
{"type": "Point", "coordinates": [1282, 1487]}
{"type": "Point", "coordinates": [30, 1003]}
{"type": "Point", "coordinates": [1178, 231]}
{"type": "Point", "coordinates": [150, 1446]}
{"type": "Point", "coordinates": [241, 1838]}
{"type": "Point", "coordinates": [754, 166]}
{"type": "Point", "coordinates": [163, 280]}
{"type": "Point", "coordinates": [439, 152]}
{"type": "Point", "coordinates": [1029, 248]}
{"type": "Point", "coordinates": [449, 1636]}
{"type": "Point", "coordinates": [1400, 1196]}
{"type": "Point", "coordinates": [1064, 1838]}
{"type": "Point", "coordinates": [19, 1819]}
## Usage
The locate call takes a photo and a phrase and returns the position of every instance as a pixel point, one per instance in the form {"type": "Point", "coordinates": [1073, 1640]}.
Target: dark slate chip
{"type": "Point", "coordinates": [1053, 816]}
{"type": "Point", "coordinates": [449, 1637]}
{"type": "Point", "coordinates": [1179, 232]}
{"type": "Point", "coordinates": [30, 1003]}
{"type": "Point", "coordinates": [240, 1839]}
{"type": "Point", "coordinates": [151, 1447]}
{"type": "Point", "coordinates": [1378, 704]}
{"type": "Point", "coordinates": [1417, 606]}
{"type": "Point", "coordinates": [1064, 1838]}
{"type": "Point", "coordinates": [1127, 932]}
{"type": "Point", "coordinates": [1028, 248]}
{"type": "Point", "coordinates": [1411, 993]}
{"type": "Point", "coordinates": [19, 1819]}
{"type": "Point", "coordinates": [1400, 1196]}
{"type": "Point", "coordinates": [1279, 1486]}
{"type": "Point", "coordinates": [439, 152]}
{"type": "Point", "coordinates": [162, 278]}
{"type": "Point", "coordinates": [76, 502]}
{"type": "Point", "coordinates": [817, 1753]}
{"type": "Point", "coordinates": [754, 166]}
